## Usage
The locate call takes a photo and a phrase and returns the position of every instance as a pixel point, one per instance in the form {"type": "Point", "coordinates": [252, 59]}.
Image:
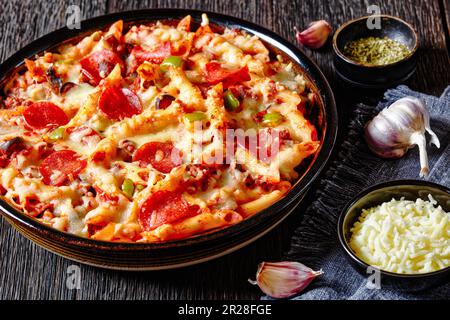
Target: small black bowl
{"type": "Point", "coordinates": [374, 196]}
{"type": "Point", "coordinates": [374, 76]}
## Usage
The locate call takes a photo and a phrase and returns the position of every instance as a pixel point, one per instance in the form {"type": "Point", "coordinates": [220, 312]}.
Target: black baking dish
{"type": "Point", "coordinates": [152, 256]}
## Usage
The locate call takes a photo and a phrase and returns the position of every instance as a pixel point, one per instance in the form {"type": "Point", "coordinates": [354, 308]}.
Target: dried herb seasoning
{"type": "Point", "coordinates": [375, 50]}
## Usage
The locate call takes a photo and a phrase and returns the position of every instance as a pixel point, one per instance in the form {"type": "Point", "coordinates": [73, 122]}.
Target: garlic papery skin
{"type": "Point", "coordinates": [315, 36]}
{"type": "Point", "coordinates": [283, 279]}
{"type": "Point", "coordinates": [399, 127]}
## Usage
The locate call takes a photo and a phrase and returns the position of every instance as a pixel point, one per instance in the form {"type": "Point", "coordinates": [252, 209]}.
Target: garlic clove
{"type": "Point", "coordinates": [379, 135]}
{"type": "Point", "coordinates": [315, 36]}
{"type": "Point", "coordinates": [283, 279]}
{"type": "Point", "coordinates": [398, 128]}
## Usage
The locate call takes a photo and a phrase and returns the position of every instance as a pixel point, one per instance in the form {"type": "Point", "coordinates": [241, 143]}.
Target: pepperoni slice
{"type": "Point", "coordinates": [119, 103]}
{"type": "Point", "coordinates": [44, 114]}
{"type": "Point", "coordinates": [99, 65]}
{"type": "Point", "coordinates": [157, 55]}
{"type": "Point", "coordinates": [214, 74]}
{"type": "Point", "coordinates": [61, 166]}
{"type": "Point", "coordinates": [163, 156]}
{"type": "Point", "coordinates": [164, 207]}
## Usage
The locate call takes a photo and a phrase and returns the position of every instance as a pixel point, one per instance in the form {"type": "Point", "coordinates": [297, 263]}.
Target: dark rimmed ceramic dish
{"type": "Point", "coordinates": [154, 256]}
{"type": "Point", "coordinates": [375, 195]}
{"type": "Point", "coordinates": [371, 76]}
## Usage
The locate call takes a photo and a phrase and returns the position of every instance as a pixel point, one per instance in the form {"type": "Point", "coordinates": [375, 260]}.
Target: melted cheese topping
{"type": "Point", "coordinates": [404, 236]}
{"type": "Point", "coordinates": [94, 202]}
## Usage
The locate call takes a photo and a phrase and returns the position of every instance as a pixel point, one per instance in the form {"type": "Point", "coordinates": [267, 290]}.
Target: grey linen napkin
{"type": "Point", "coordinates": [315, 241]}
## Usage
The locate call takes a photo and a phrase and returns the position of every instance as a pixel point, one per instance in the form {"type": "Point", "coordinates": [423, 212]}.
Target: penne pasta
{"type": "Point", "coordinates": [152, 133]}
{"type": "Point", "coordinates": [194, 225]}
{"type": "Point", "coordinates": [263, 202]}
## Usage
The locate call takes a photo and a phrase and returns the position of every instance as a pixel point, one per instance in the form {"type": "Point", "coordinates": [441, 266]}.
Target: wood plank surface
{"type": "Point", "coordinates": [29, 272]}
{"type": "Point", "coordinates": [445, 11]}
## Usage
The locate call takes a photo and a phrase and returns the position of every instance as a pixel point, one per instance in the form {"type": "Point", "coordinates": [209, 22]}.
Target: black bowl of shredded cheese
{"type": "Point", "coordinates": [375, 52]}
{"type": "Point", "coordinates": [400, 230]}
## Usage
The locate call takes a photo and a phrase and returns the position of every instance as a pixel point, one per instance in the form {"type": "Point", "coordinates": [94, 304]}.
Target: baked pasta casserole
{"type": "Point", "coordinates": [153, 132]}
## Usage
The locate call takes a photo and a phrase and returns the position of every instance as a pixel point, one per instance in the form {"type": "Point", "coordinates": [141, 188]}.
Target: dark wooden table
{"type": "Point", "coordinates": [30, 272]}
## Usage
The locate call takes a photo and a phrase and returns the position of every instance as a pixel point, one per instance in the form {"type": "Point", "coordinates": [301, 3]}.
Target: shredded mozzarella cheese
{"type": "Point", "coordinates": [403, 236]}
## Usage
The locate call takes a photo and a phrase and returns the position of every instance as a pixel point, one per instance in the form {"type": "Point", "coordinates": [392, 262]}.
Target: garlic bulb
{"type": "Point", "coordinates": [315, 35]}
{"type": "Point", "coordinates": [399, 127]}
{"type": "Point", "coordinates": [283, 279]}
